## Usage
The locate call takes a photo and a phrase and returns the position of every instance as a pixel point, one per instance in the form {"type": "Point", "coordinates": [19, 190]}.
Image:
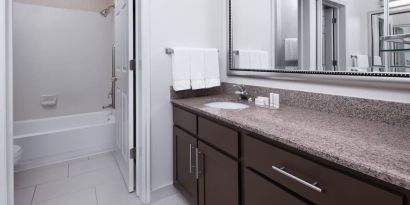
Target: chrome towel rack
{"type": "Point", "coordinates": [170, 51]}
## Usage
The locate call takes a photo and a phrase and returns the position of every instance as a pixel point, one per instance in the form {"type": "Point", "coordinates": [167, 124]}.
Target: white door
{"type": "Point", "coordinates": [124, 91]}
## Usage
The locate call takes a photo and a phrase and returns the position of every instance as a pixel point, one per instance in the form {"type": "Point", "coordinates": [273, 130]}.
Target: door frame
{"type": "Point", "coordinates": [6, 103]}
{"type": "Point", "coordinates": [142, 98]}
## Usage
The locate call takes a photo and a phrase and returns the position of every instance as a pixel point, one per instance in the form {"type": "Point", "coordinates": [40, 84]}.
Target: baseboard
{"type": "Point", "coordinates": [68, 156]}
{"type": "Point", "coordinates": [163, 192]}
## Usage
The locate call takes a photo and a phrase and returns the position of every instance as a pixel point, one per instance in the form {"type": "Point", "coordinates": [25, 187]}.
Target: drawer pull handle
{"type": "Point", "coordinates": [190, 158]}
{"type": "Point", "coordinates": [311, 186]}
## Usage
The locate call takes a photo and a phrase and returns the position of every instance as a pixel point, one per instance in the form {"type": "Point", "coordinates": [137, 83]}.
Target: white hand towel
{"type": "Point", "coordinates": [264, 60]}
{"type": "Point", "coordinates": [197, 69]}
{"type": "Point", "coordinates": [378, 61]}
{"type": "Point", "coordinates": [256, 62]}
{"type": "Point", "coordinates": [243, 59]}
{"type": "Point", "coordinates": [181, 72]}
{"type": "Point", "coordinates": [291, 49]}
{"type": "Point", "coordinates": [212, 75]}
{"type": "Point", "coordinates": [362, 61]}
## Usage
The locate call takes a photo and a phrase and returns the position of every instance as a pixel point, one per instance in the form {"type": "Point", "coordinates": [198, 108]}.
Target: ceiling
{"type": "Point", "coordinates": [87, 5]}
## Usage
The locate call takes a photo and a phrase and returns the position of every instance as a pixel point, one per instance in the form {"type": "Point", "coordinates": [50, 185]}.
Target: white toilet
{"type": "Point", "coordinates": [17, 153]}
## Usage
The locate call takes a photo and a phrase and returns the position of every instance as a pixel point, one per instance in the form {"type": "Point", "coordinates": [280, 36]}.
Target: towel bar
{"type": "Point", "coordinates": [170, 51]}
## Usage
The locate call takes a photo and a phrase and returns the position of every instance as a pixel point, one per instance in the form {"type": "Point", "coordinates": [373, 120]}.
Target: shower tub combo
{"type": "Point", "coordinates": [58, 139]}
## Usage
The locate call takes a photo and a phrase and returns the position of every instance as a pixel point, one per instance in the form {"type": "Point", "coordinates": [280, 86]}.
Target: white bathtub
{"type": "Point", "coordinates": [52, 140]}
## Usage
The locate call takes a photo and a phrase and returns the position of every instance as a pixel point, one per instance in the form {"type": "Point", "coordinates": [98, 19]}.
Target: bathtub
{"type": "Point", "coordinates": [58, 139]}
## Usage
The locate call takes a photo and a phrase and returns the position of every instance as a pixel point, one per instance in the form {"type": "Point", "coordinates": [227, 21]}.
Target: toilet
{"type": "Point", "coordinates": [17, 153]}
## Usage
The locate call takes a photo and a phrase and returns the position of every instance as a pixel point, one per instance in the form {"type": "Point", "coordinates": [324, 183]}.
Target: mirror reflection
{"type": "Point", "coordinates": [321, 35]}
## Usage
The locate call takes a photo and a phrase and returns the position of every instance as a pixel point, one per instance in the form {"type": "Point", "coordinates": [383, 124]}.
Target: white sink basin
{"type": "Point", "coordinates": [227, 105]}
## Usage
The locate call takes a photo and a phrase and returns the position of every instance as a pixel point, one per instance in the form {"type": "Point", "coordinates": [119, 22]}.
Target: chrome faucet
{"type": "Point", "coordinates": [242, 93]}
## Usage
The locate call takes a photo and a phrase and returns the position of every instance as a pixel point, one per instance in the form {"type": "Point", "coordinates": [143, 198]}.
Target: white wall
{"type": "Point", "coordinates": [195, 23]}
{"type": "Point", "coordinates": [358, 26]}
{"type": "Point", "coordinates": [63, 52]}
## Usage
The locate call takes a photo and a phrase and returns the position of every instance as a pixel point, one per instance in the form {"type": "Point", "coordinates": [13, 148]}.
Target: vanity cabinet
{"type": "Point", "coordinates": [206, 167]}
{"type": "Point", "coordinates": [218, 165]}
{"type": "Point", "coordinates": [309, 180]}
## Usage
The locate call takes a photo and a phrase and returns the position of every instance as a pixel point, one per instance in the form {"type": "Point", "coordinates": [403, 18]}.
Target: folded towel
{"type": "Point", "coordinates": [291, 49]}
{"type": "Point", "coordinates": [264, 58]}
{"type": "Point", "coordinates": [252, 59]}
{"type": "Point", "coordinates": [256, 62]}
{"type": "Point", "coordinates": [362, 61]}
{"type": "Point", "coordinates": [197, 69]}
{"type": "Point", "coordinates": [212, 75]}
{"type": "Point", "coordinates": [243, 59]}
{"type": "Point", "coordinates": [181, 73]}
{"type": "Point", "coordinates": [377, 61]}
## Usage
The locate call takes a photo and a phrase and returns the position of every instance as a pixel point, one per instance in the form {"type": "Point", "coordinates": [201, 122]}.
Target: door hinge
{"type": "Point", "coordinates": [133, 153]}
{"type": "Point", "coordinates": [132, 65]}
{"type": "Point", "coordinates": [334, 20]}
{"type": "Point", "coordinates": [334, 63]}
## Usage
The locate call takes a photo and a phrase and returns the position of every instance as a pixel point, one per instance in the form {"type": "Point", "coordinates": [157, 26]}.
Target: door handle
{"type": "Point", "coordinates": [295, 178]}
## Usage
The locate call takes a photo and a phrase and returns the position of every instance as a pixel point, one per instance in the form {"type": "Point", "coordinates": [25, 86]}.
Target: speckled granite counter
{"type": "Point", "coordinates": [373, 148]}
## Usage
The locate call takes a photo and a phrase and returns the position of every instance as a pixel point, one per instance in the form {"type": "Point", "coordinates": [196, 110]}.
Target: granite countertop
{"type": "Point", "coordinates": [372, 148]}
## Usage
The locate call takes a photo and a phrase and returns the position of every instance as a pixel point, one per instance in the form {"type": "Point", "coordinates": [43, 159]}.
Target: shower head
{"type": "Point", "coordinates": [107, 10]}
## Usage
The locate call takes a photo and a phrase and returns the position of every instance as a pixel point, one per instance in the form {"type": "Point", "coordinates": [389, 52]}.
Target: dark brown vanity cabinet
{"type": "Point", "coordinates": [215, 165]}
{"type": "Point", "coordinates": [185, 165]}
{"type": "Point", "coordinates": [308, 180]}
{"type": "Point", "coordinates": [203, 173]}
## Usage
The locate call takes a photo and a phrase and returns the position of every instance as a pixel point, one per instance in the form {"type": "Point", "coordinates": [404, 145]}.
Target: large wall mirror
{"type": "Point", "coordinates": [337, 37]}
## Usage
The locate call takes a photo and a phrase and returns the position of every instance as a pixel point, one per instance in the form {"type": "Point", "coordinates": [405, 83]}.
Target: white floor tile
{"type": "Point", "coordinates": [40, 175]}
{"type": "Point", "coordinates": [86, 197]}
{"type": "Point", "coordinates": [126, 201]}
{"type": "Point", "coordinates": [176, 199]}
{"type": "Point", "coordinates": [24, 196]}
{"type": "Point", "coordinates": [112, 192]}
{"type": "Point", "coordinates": [81, 182]}
{"type": "Point", "coordinates": [94, 163]}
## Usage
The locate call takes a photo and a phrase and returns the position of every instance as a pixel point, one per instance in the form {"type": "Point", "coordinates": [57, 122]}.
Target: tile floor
{"type": "Point", "coordinates": [94, 180]}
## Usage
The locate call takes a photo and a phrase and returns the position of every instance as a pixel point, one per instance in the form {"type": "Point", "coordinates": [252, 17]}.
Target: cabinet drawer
{"type": "Point", "coordinates": [312, 181]}
{"type": "Point", "coordinates": [262, 192]}
{"type": "Point", "coordinates": [221, 137]}
{"type": "Point", "coordinates": [185, 120]}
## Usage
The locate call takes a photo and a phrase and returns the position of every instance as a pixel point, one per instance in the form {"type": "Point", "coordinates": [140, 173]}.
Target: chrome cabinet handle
{"type": "Point", "coordinates": [190, 158]}
{"type": "Point", "coordinates": [196, 163]}
{"type": "Point", "coordinates": [311, 186]}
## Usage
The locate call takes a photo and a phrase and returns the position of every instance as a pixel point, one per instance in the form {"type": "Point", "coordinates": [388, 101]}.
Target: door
{"type": "Point", "coordinates": [185, 173]}
{"type": "Point", "coordinates": [124, 93]}
{"type": "Point", "coordinates": [329, 39]}
{"type": "Point", "coordinates": [218, 178]}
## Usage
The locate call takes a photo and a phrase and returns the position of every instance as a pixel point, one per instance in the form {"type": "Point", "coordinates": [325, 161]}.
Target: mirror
{"type": "Point", "coordinates": [320, 36]}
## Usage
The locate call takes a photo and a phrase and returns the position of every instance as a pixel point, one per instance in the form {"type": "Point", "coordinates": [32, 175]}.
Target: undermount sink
{"type": "Point", "coordinates": [227, 105]}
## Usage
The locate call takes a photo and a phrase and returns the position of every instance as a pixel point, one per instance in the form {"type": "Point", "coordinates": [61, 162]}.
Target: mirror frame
{"type": "Point", "coordinates": [300, 74]}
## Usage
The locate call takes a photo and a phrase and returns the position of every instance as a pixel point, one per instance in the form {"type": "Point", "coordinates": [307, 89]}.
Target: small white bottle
{"type": "Point", "coordinates": [274, 101]}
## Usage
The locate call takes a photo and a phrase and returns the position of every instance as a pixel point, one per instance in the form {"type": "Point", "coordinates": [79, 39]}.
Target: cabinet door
{"type": "Point", "coordinates": [184, 165]}
{"type": "Point", "coordinates": [218, 178]}
{"type": "Point", "coordinates": [262, 192]}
